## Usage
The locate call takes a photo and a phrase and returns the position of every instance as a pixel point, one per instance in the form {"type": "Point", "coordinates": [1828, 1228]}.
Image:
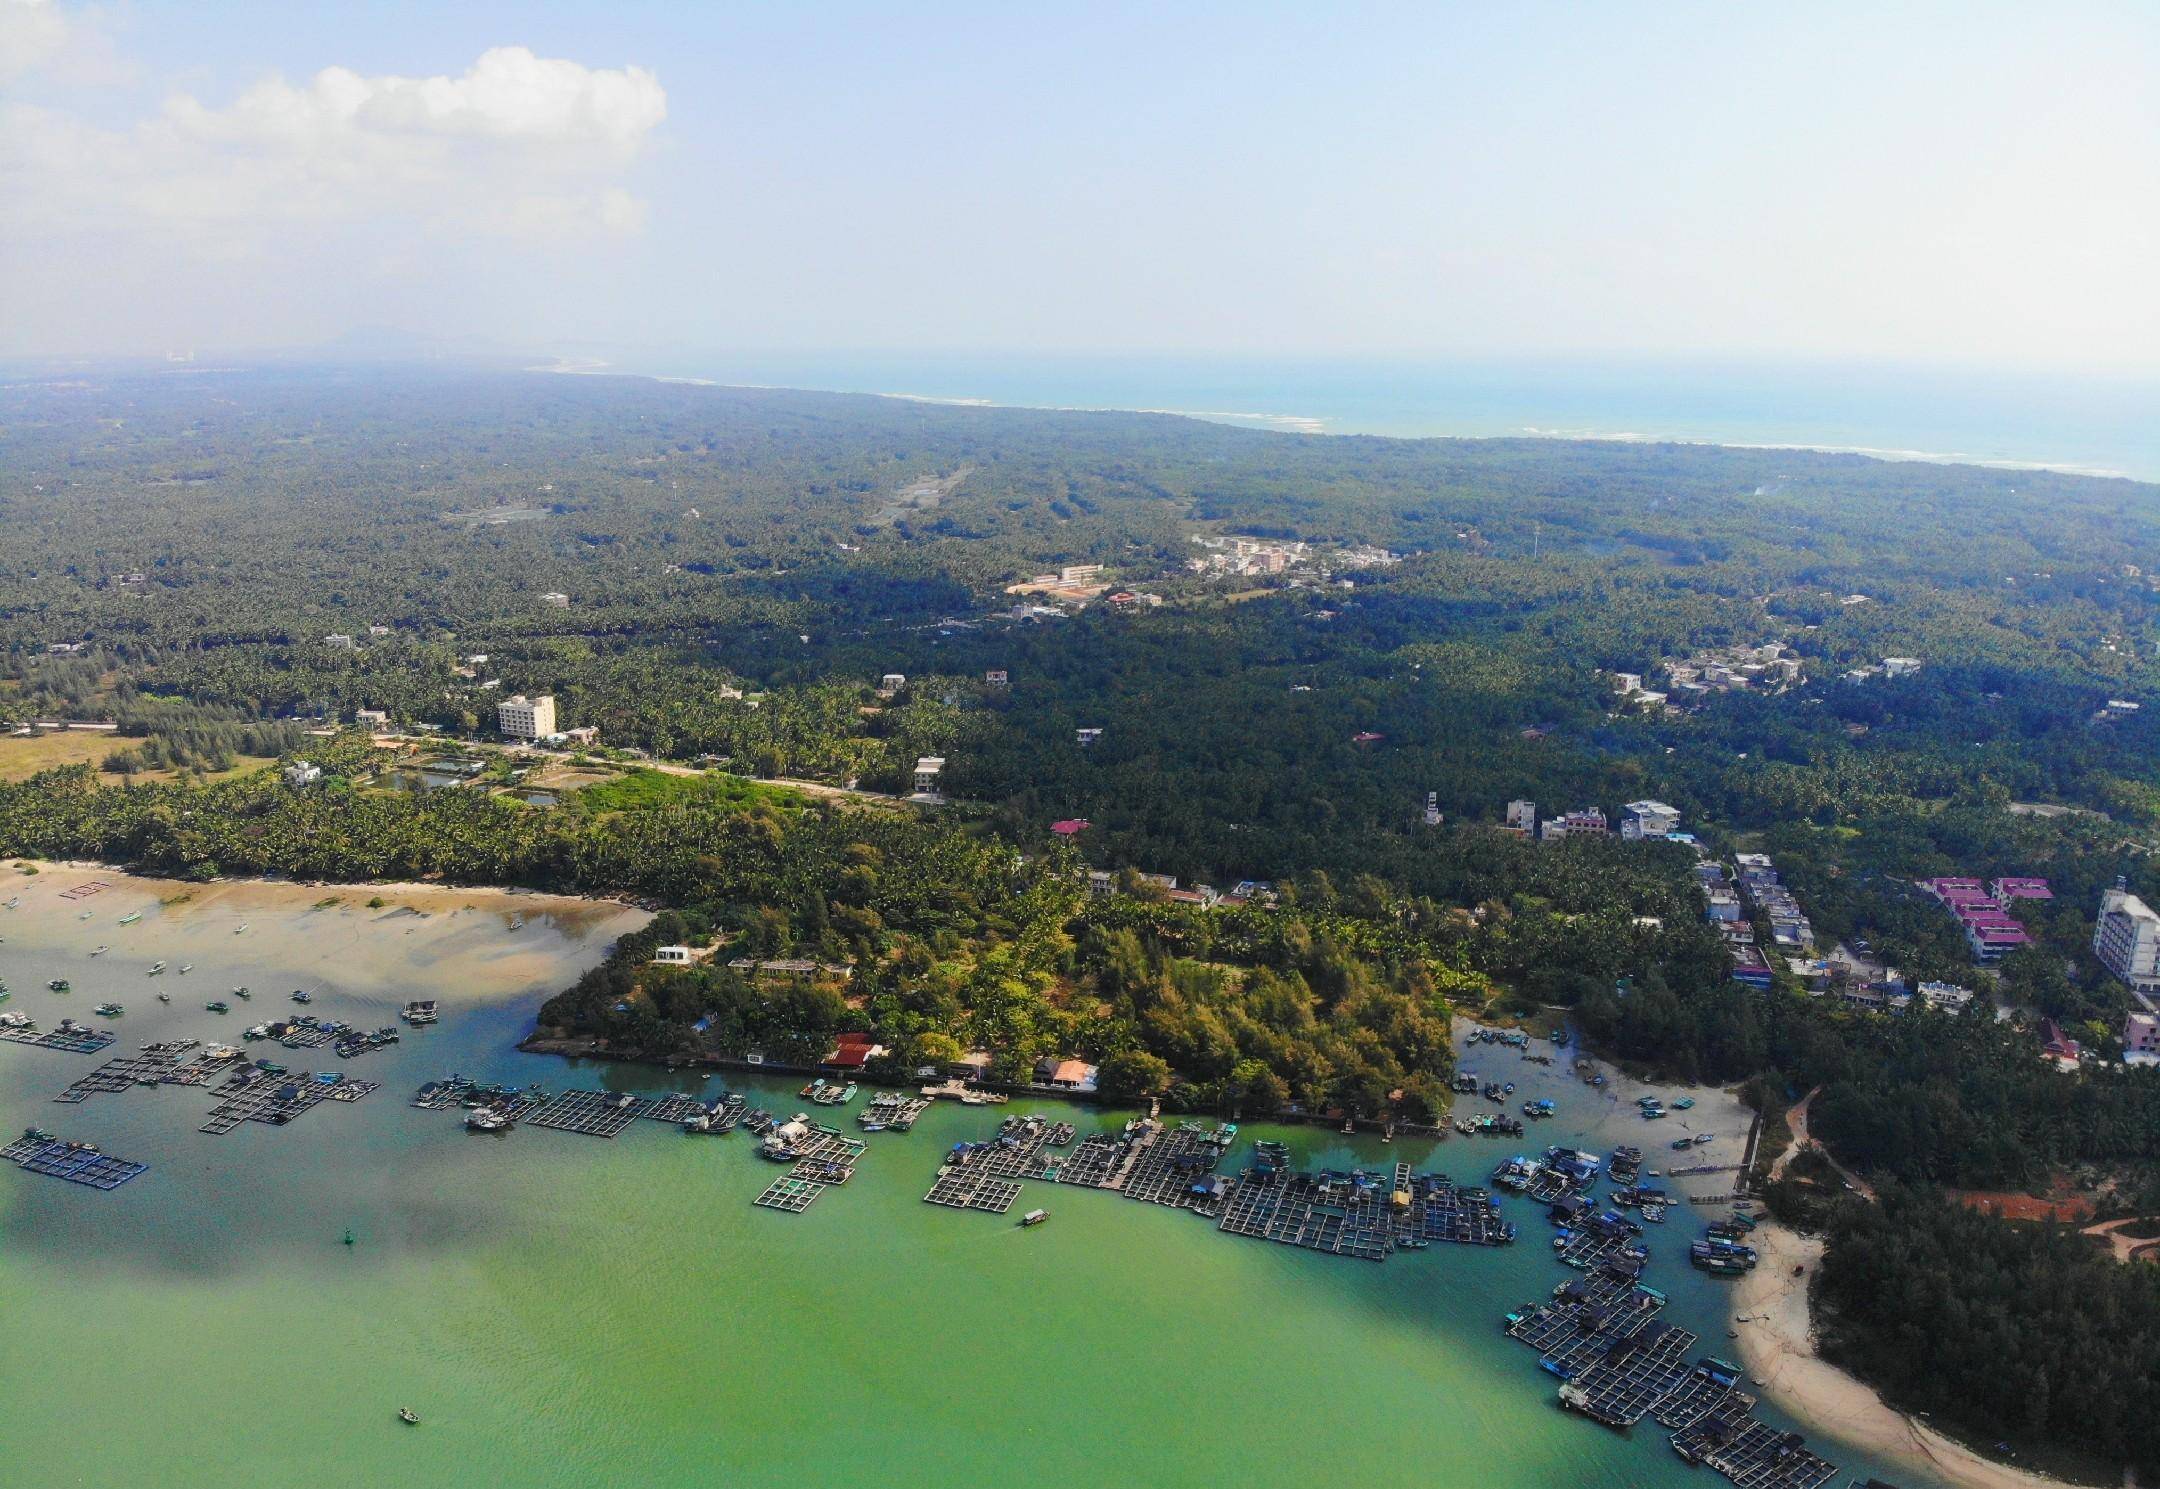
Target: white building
{"type": "Point", "coordinates": [891, 683]}
{"type": "Point", "coordinates": [376, 719]}
{"type": "Point", "coordinates": [300, 773]}
{"type": "Point", "coordinates": [1648, 819]}
{"type": "Point", "coordinates": [340, 642]}
{"type": "Point", "coordinates": [1900, 666]}
{"type": "Point", "coordinates": [672, 956]}
{"type": "Point", "coordinates": [1522, 817]}
{"type": "Point", "coordinates": [520, 717]}
{"type": "Point", "coordinates": [927, 770]}
{"type": "Point", "coordinates": [555, 599]}
{"type": "Point", "coordinates": [2127, 939]}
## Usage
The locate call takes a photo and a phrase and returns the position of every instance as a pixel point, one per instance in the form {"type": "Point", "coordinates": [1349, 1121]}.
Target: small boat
{"type": "Point", "coordinates": [108, 1010]}
{"type": "Point", "coordinates": [240, 927]}
{"type": "Point", "coordinates": [15, 903]}
{"type": "Point", "coordinates": [101, 951]}
{"type": "Point", "coordinates": [131, 917]}
{"type": "Point", "coordinates": [300, 995]}
{"type": "Point", "coordinates": [1704, 1137]}
{"type": "Point", "coordinates": [1684, 1104]}
{"type": "Point", "coordinates": [186, 967]}
{"type": "Point", "coordinates": [348, 1236]}
{"type": "Point", "coordinates": [241, 992]}
{"type": "Point", "coordinates": [156, 968]}
{"type": "Point", "coordinates": [86, 915]}
{"type": "Point", "coordinates": [405, 1415]}
{"type": "Point", "coordinates": [59, 985]}
{"type": "Point", "coordinates": [164, 997]}
{"type": "Point", "coordinates": [487, 1119]}
{"type": "Point", "coordinates": [1034, 1217]}
{"type": "Point", "coordinates": [218, 1007]}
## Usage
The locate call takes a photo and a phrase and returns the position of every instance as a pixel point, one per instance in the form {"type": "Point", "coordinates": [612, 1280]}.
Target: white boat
{"type": "Point", "coordinates": [186, 967]}
{"type": "Point", "coordinates": [239, 928]}
{"type": "Point", "coordinates": [100, 951]}
{"type": "Point", "coordinates": [156, 968]}
{"type": "Point", "coordinates": [1034, 1217]}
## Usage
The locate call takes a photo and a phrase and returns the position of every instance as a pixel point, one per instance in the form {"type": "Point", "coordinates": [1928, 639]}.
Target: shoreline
{"type": "Point", "coordinates": [1322, 426]}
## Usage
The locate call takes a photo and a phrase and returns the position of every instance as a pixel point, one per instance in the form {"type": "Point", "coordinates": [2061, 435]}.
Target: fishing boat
{"type": "Point", "coordinates": [1684, 1104]}
{"type": "Point", "coordinates": [241, 992]}
{"type": "Point", "coordinates": [131, 917]}
{"type": "Point", "coordinates": [405, 1413]}
{"type": "Point", "coordinates": [15, 903]}
{"type": "Point", "coordinates": [101, 951]}
{"type": "Point", "coordinates": [1704, 1137]}
{"type": "Point", "coordinates": [164, 997]}
{"type": "Point", "coordinates": [13, 1020]}
{"type": "Point", "coordinates": [243, 925]}
{"type": "Point", "coordinates": [59, 985]}
{"type": "Point", "coordinates": [218, 1007]}
{"type": "Point", "coordinates": [186, 967]}
{"type": "Point", "coordinates": [487, 1119]}
{"type": "Point", "coordinates": [156, 969]}
{"type": "Point", "coordinates": [1034, 1217]}
{"type": "Point", "coordinates": [86, 915]}
{"type": "Point", "coordinates": [301, 995]}
{"type": "Point", "coordinates": [108, 1010]}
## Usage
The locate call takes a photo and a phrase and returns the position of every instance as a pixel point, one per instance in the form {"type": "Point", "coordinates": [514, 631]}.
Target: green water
{"type": "Point", "coordinates": [565, 1310]}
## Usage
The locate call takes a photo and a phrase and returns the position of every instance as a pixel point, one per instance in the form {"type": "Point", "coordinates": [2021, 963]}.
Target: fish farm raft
{"type": "Point", "coordinates": [78, 1163]}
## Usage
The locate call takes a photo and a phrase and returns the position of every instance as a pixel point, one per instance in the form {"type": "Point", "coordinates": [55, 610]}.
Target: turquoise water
{"type": "Point", "coordinates": [564, 1310]}
{"type": "Point", "coordinates": [2097, 424]}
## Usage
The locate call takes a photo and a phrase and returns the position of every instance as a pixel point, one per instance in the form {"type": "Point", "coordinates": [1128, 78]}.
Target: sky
{"type": "Point", "coordinates": [1969, 185]}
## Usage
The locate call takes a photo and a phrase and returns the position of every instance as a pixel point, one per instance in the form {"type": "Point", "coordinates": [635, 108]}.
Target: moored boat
{"type": "Point", "coordinates": [1034, 1217]}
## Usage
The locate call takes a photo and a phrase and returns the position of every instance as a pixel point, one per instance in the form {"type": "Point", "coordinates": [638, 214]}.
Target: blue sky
{"type": "Point", "coordinates": [1967, 185]}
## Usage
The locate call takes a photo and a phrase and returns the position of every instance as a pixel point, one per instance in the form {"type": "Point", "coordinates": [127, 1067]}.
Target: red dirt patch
{"type": "Point", "coordinates": [2022, 1206]}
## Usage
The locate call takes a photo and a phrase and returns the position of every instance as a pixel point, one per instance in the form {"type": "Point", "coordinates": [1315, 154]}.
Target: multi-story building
{"type": "Point", "coordinates": [1648, 819]}
{"type": "Point", "coordinates": [2127, 939]}
{"type": "Point", "coordinates": [520, 717]}
{"type": "Point", "coordinates": [1522, 818]}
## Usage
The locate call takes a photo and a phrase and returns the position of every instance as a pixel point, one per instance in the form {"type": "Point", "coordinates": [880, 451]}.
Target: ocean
{"type": "Point", "coordinates": [2093, 424]}
{"type": "Point", "coordinates": [564, 1310]}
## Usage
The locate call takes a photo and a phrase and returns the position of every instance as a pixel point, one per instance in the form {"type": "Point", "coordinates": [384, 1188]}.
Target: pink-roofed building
{"type": "Point", "coordinates": [1071, 827]}
{"type": "Point", "coordinates": [1992, 935]}
{"type": "Point", "coordinates": [1366, 736]}
{"type": "Point", "coordinates": [2007, 890]}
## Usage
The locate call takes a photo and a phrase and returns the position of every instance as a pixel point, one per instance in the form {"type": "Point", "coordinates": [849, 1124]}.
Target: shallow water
{"type": "Point", "coordinates": [568, 1310]}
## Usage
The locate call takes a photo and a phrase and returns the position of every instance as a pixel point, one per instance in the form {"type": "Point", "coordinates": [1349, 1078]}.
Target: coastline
{"type": "Point", "coordinates": [1777, 1346]}
{"type": "Point", "coordinates": [1342, 427]}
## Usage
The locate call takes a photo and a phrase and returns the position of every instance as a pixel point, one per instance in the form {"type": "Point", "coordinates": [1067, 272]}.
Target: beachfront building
{"type": "Point", "coordinates": [520, 717]}
{"type": "Point", "coordinates": [2127, 939]}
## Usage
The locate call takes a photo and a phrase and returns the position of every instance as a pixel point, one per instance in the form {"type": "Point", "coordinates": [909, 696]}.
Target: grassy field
{"type": "Point", "coordinates": [644, 790]}
{"type": "Point", "coordinates": [22, 758]}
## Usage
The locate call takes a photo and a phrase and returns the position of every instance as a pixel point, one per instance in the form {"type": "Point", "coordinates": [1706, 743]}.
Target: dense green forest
{"type": "Point", "coordinates": [2023, 1332]}
{"type": "Point", "coordinates": [741, 567]}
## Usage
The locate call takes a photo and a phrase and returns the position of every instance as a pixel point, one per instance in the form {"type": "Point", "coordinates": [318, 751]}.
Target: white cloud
{"type": "Point", "coordinates": [517, 140]}
{"type": "Point", "coordinates": [32, 33]}
{"type": "Point", "coordinates": [380, 197]}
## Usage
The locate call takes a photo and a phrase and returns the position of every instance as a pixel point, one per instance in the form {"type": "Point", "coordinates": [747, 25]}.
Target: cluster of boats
{"type": "Point", "coordinates": [889, 1111]}
{"type": "Point", "coordinates": [823, 1092]}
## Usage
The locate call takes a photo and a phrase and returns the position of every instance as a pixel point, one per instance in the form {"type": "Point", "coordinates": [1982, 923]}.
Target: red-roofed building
{"type": "Point", "coordinates": [1366, 736]}
{"type": "Point", "coordinates": [1071, 827]}
{"type": "Point", "coordinates": [2058, 1046]}
{"type": "Point", "coordinates": [852, 1052]}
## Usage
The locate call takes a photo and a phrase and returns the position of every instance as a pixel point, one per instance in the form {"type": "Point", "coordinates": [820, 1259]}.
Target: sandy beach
{"type": "Point", "coordinates": [373, 942]}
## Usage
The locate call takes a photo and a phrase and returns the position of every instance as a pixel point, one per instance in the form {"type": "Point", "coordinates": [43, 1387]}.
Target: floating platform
{"type": "Point", "coordinates": [171, 1063]}
{"type": "Point", "coordinates": [594, 1113]}
{"type": "Point", "coordinates": [1753, 1454]}
{"type": "Point", "coordinates": [253, 1094]}
{"type": "Point", "coordinates": [1712, 1388]}
{"type": "Point", "coordinates": [1626, 1383]}
{"type": "Point", "coordinates": [77, 1163]}
{"type": "Point", "coordinates": [972, 1189]}
{"type": "Point", "coordinates": [69, 1037]}
{"type": "Point", "coordinates": [789, 1194]}
{"type": "Point", "coordinates": [1339, 1214]}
